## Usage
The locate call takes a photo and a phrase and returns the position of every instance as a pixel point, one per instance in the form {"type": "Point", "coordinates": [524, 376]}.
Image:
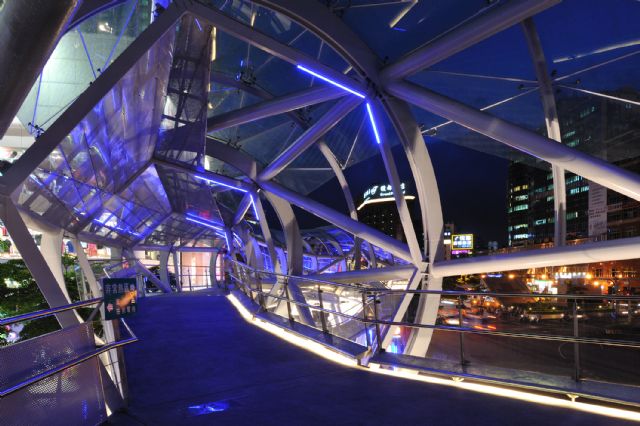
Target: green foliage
{"type": "Point", "coordinates": [19, 294]}
{"type": "Point", "coordinates": [5, 245]}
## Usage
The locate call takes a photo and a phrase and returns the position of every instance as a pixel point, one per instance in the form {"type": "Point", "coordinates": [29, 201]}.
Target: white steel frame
{"type": "Point", "coordinates": [388, 93]}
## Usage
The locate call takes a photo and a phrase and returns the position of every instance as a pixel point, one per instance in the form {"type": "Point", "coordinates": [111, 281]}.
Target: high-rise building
{"type": "Point", "coordinates": [378, 209]}
{"type": "Point", "coordinates": [602, 128]}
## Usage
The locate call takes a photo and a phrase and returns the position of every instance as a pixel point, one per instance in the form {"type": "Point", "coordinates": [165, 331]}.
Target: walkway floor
{"type": "Point", "coordinates": [196, 349]}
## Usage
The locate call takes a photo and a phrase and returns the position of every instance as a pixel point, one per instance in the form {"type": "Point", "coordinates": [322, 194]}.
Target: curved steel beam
{"type": "Point", "coordinates": [29, 31]}
{"type": "Point", "coordinates": [592, 168]}
{"type": "Point", "coordinates": [342, 39]}
{"type": "Point", "coordinates": [325, 123]}
{"type": "Point", "coordinates": [273, 106]}
{"type": "Point", "coordinates": [264, 42]}
{"type": "Point", "coordinates": [89, 8]}
{"type": "Point", "coordinates": [353, 212]}
{"type": "Point", "coordinates": [464, 36]}
{"type": "Point", "coordinates": [553, 128]}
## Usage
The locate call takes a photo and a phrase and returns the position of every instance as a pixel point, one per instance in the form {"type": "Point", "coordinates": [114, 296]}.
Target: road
{"type": "Point", "coordinates": [596, 361]}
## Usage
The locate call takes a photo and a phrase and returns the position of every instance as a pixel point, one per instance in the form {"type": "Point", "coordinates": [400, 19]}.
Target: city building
{"type": "Point", "coordinates": [377, 208]}
{"type": "Point", "coordinates": [602, 128]}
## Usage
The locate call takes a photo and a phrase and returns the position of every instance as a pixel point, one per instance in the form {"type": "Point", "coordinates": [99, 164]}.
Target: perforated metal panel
{"type": "Point", "coordinates": [71, 397]}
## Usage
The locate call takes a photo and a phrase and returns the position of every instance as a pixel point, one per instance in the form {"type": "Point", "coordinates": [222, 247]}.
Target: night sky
{"type": "Point", "coordinates": [475, 200]}
{"type": "Point", "coordinates": [473, 184]}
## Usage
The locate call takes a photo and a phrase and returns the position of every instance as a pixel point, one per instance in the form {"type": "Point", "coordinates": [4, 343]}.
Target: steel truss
{"type": "Point", "coordinates": [388, 93]}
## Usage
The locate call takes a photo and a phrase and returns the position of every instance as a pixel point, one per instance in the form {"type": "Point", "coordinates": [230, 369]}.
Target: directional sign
{"type": "Point", "coordinates": [119, 297]}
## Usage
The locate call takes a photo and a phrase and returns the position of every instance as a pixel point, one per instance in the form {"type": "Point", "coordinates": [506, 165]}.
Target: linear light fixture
{"type": "Point", "coordinates": [328, 80]}
{"type": "Point", "coordinates": [402, 13]}
{"type": "Point", "coordinates": [294, 339]}
{"type": "Point", "coordinates": [215, 182]}
{"type": "Point", "coordinates": [197, 219]}
{"type": "Point", "coordinates": [214, 43]}
{"type": "Point", "coordinates": [372, 120]}
{"type": "Point", "coordinates": [384, 200]}
{"type": "Point", "coordinates": [255, 209]}
{"type": "Point", "coordinates": [521, 395]}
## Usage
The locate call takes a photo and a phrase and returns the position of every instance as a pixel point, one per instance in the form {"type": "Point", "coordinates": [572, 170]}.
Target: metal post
{"type": "Point", "coordinates": [364, 317]}
{"type": "Point", "coordinates": [142, 291]}
{"type": "Point", "coordinates": [176, 270]}
{"type": "Point", "coordinates": [460, 322]}
{"type": "Point", "coordinates": [576, 345]}
{"type": "Point", "coordinates": [286, 292]}
{"type": "Point", "coordinates": [375, 317]}
{"type": "Point", "coordinates": [124, 382]}
{"type": "Point", "coordinates": [261, 298]}
{"type": "Point", "coordinates": [323, 319]}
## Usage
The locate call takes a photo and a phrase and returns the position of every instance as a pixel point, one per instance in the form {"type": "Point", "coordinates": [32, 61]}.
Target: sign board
{"type": "Point", "coordinates": [381, 191]}
{"type": "Point", "coordinates": [119, 297]}
{"type": "Point", "coordinates": [462, 242]}
{"type": "Point", "coordinates": [597, 210]}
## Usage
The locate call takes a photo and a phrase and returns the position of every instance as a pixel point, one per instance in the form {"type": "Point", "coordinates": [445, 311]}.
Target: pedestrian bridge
{"type": "Point", "coordinates": [242, 352]}
{"type": "Point", "coordinates": [204, 134]}
{"type": "Point", "coordinates": [199, 362]}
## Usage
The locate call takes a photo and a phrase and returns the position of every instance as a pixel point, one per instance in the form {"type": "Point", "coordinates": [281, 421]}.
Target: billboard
{"type": "Point", "coordinates": [462, 242]}
{"type": "Point", "coordinates": [119, 297]}
{"type": "Point", "coordinates": [381, 191]}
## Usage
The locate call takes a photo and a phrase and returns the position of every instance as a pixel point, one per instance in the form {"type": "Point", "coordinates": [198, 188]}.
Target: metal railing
{"type": "Point", "coordinates": [252, 282]}
{"type": "Point", "coordinates": [78, 360]}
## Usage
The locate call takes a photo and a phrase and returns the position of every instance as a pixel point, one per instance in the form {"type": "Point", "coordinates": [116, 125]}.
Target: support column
{"type": "Point", "coordinates": [553, 128]}
{"type": "Point", "coordinates": [51, 249]}
{"type": "Point", "coordinates": [164, 268]}
{"type": "Point", "coordinates": [85, 266]}
{"type": "Point", "coordinates": [430, 207]}
{"type": "Point", "coordinates": [294, 251]}
{"type": "Point", "coordinates": [266, 234]}
{"type": "Point", "coordinates": [140, 268]}
{"type": "Point", "coordinates": [33, 258]}
{"type": "Point", "coordinates": [176, 269]}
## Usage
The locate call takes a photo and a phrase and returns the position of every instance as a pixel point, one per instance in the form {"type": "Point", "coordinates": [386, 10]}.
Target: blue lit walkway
{"type": "Point", "coordinates": [196, 349]}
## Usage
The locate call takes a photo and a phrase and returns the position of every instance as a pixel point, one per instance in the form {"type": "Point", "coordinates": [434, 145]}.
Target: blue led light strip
{"type": "Point", "coordinates": [218, 183]}
{"type": "Point", "coordinates": [255, 210]}
{"type": "Point", "coordinates": [373, 123]}
{"type": "Point", "coordinates": [372, 120]}
{"type": "Point", "coordinates": [328, 80]}
{"type": "Point", "coordinates": [197, 219]}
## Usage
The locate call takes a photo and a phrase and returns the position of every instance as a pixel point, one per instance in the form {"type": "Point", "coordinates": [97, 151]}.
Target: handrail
{"type": "Point", "coordinates": [569, 339]}
{"type": "Point", "coordinates": [50, 311]}
{"type": "Point", "coordinates": [301, 277]}
{"type": "Point", "coordinates": [445, 292]}
{"type": "Point", "coordinates": [495, 294]}
{"type": "Point", "coordinates": [82, 358]}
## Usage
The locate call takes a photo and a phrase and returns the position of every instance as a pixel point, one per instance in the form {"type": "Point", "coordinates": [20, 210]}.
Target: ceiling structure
{"type": "Point", "coordinates": [174, 131]}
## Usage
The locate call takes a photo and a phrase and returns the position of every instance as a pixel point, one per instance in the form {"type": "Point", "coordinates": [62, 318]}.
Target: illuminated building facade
{"type": "Point", "coordinates": [600, 128]}
{"type": "Point", "coordinates": [378, 210]}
